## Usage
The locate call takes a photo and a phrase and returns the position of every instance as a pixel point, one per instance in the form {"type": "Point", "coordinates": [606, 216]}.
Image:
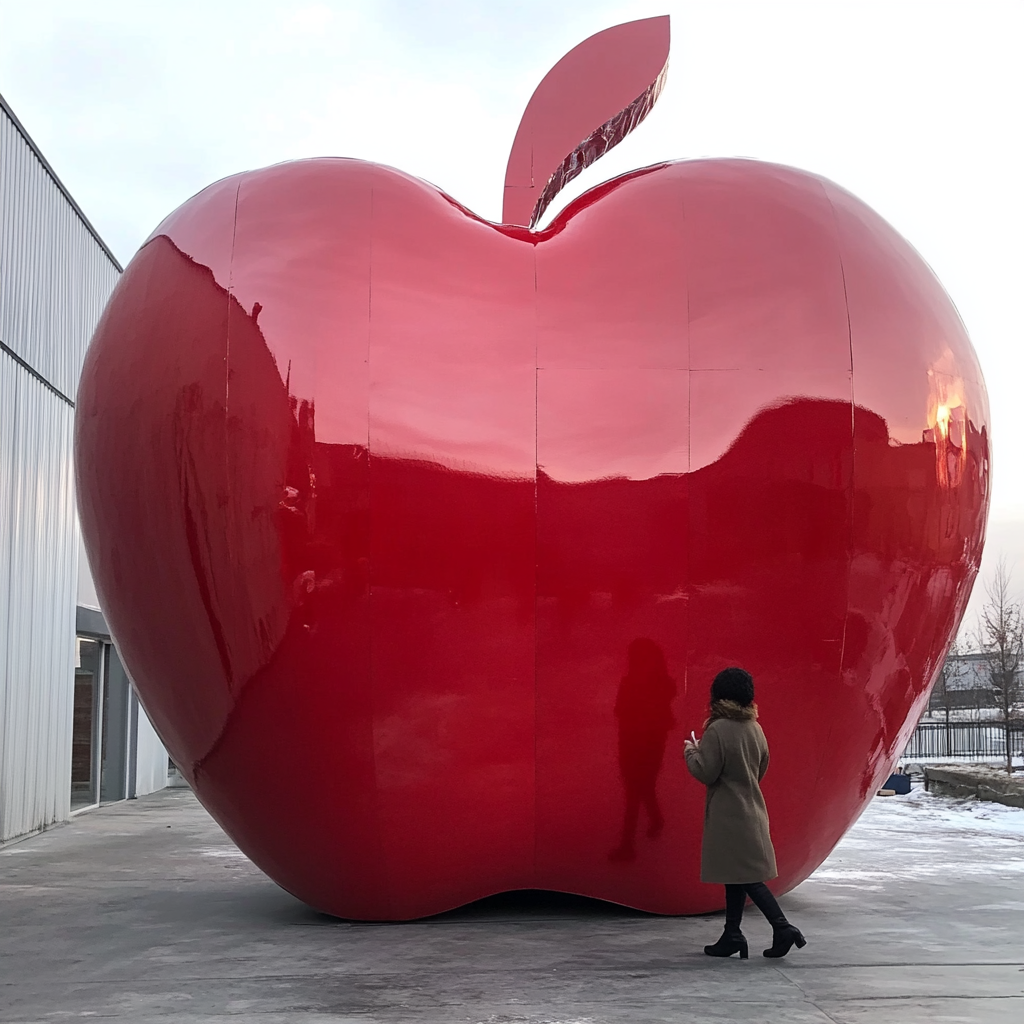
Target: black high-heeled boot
{"type": "Point", "coordinates": [732, 941]}
{"type": "Point", "coordinates": [784, 937]}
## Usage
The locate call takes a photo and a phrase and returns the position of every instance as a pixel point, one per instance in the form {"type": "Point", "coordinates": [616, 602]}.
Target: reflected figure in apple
{"type": "Point", "coordinates": [643, 709]}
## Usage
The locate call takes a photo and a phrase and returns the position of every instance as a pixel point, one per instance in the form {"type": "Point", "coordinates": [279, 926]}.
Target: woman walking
{"type": "Point", "coordinates": [731, 759]}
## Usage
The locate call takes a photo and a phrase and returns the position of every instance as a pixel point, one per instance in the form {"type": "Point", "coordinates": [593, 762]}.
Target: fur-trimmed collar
{"type": "Point", "coordinates": [731, 710]}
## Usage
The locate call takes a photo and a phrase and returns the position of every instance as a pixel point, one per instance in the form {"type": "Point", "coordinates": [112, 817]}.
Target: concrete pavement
{"type": "Point", "coordinates": [144, 911]}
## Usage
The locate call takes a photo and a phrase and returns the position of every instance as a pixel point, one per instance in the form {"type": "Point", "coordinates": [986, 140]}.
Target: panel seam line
{"type": "Point", "coordinates": [36, 374]}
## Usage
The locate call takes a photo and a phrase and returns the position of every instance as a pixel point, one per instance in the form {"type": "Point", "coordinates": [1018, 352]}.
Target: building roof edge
{"type": "Point", "coordinates": [60, 184]}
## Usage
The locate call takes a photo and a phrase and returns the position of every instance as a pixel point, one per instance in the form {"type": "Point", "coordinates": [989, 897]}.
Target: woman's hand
{"type": "Point", "coordinates": [691, 743]}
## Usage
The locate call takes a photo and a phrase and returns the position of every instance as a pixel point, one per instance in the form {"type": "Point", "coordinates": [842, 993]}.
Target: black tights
{"type": "Point", "coordinates": [736, 900]}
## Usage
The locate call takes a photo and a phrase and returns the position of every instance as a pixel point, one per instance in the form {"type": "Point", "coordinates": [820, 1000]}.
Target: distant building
{"type": "Point", "coordinates": [72, 733]}
{"type": "Point", "coordinates": [963, 687]}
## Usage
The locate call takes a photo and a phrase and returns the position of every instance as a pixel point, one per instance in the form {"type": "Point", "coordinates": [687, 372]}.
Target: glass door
{"type": "Point", "coordinates": [87, 731]}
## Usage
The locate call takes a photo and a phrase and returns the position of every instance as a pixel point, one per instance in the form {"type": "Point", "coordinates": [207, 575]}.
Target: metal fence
{"type": "Point", "coordinates": [972, 741]}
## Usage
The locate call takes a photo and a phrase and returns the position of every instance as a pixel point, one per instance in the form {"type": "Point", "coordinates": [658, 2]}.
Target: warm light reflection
{"type": "Point", "coordinates": [947, 420]}
{"type": "Point", "coordinates": [942, 420]}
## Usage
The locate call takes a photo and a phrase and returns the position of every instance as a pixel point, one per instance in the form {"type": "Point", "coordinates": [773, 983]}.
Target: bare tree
{"type": "Point", "coordinates": [1000, 640]}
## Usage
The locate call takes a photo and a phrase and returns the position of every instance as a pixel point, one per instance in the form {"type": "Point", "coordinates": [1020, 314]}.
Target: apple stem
{"type": "Point", "coordinates": [598, 92]}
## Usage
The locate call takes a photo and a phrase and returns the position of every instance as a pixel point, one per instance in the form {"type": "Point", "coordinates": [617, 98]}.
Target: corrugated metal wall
{"type": "Point", "coordinates": [55, 277]}
{"type": "Point", "coordinates": [37, 580]}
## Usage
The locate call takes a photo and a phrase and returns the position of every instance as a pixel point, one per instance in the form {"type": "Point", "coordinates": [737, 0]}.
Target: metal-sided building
{"type": "Point", "coordinates": [72, 733]}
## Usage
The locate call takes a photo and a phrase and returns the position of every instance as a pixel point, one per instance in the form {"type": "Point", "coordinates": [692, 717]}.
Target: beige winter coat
{"type": "Point", "coordinates": [731, 760]}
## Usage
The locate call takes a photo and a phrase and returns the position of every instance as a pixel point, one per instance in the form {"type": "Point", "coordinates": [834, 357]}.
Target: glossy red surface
{"type": "Point", "coordinates": [423, 537]}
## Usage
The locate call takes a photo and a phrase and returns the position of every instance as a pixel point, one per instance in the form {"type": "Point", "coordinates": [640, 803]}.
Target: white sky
{"type": "Point", "coordinates": [913, 105]}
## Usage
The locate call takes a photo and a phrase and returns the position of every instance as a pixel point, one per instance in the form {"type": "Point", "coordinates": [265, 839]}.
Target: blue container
{"type": "Point", "coordinates": [898, 782]}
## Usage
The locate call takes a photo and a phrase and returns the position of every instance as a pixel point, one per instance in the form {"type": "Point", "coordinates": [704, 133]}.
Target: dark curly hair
{"type": "Point", "coordinates": [735, 684]}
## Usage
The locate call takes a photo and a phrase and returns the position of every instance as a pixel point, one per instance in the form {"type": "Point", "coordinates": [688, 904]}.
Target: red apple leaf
{"type": "Point", "coordinates": [598, 92]}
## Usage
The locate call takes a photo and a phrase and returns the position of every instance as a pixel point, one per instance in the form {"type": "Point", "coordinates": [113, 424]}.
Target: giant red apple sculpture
{"type": "Point", "coordinates": [422, 536]}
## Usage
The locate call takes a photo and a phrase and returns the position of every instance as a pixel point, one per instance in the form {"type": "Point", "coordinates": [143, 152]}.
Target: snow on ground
{"type": "Point", "coordinates": [919, 808]}
{"type": "Point", "coordinates": [922, 837]}
{"type": "Point", "coordinates": [993, 762]}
